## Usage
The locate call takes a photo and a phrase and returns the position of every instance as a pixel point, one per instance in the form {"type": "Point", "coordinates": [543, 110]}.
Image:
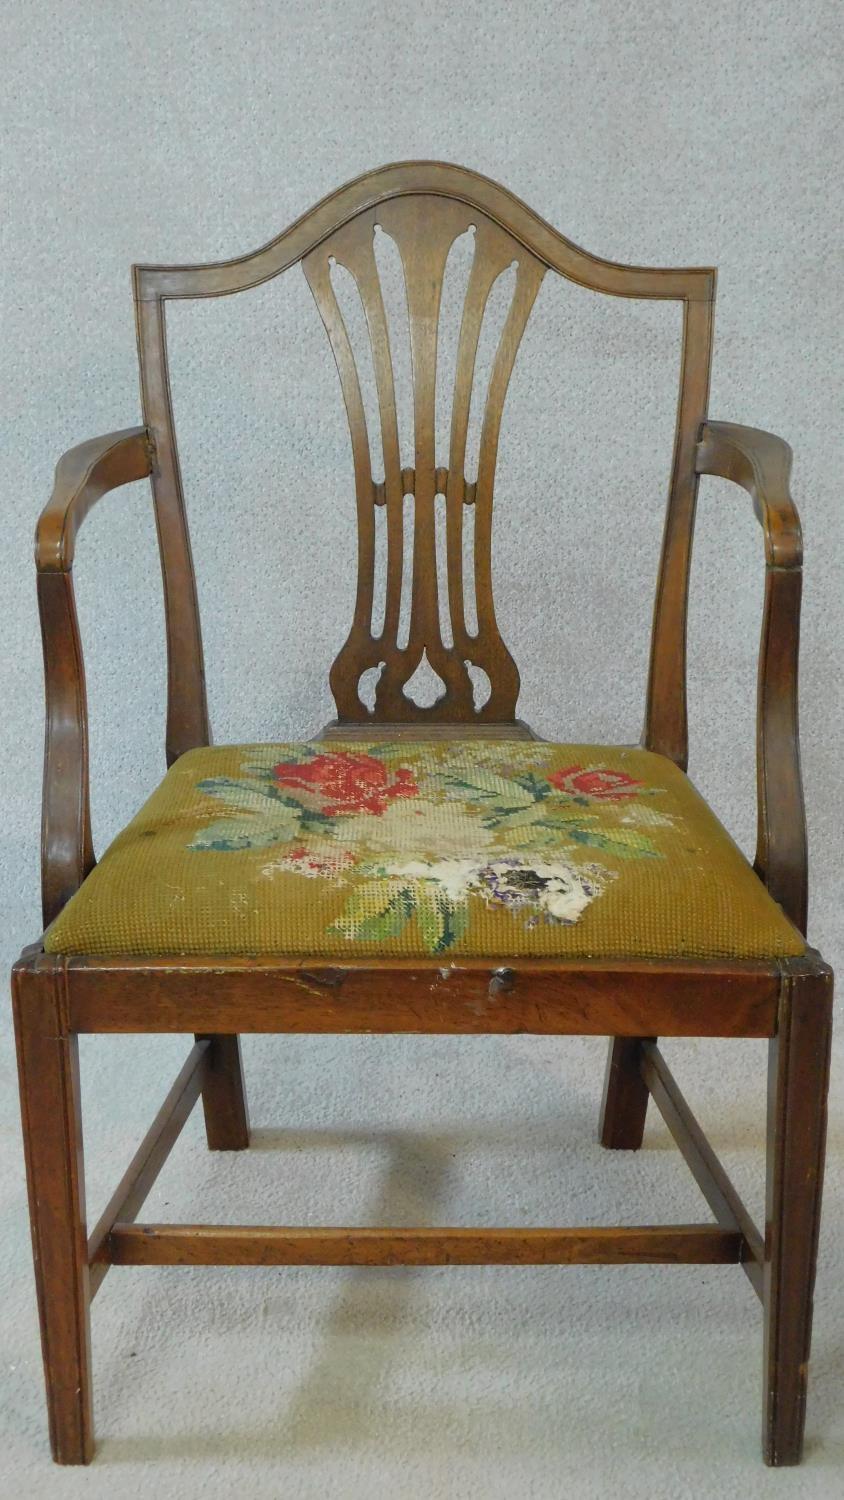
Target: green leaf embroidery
{"type": "Point", "coordinates": [542, 835]}
{"type": "Point", "coordinates": [250, 796]}
{"type": "Point", "coordinates": [519, 817]}
{"type": "Point", "coordinates": [532, 783]}
{"type": "Point", "coordinates": [262, 820]}
{"type": "Point", "coordinates": [274, 755]}
{"type": "Point", "coordinates": [375, 911]}
{"type": "Point", "coordinates": [486, 788]}
{"type": "Point", "coordinates": [622, 844]}
{"type": "Point", "coordinates": [389, 750]}
{"type": "Point", "coordinates": [441, 921]}
{"type": "Point", "coordinates": [456, 922]}
{"type": "Point", "coordinates": [238, 833]}
{"type": "Point", "coordinates": [313, 821]}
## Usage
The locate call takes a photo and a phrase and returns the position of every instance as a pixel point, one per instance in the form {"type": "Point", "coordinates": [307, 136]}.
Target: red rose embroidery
{"type": "Point", "coordinates": [603, 786]}
{"type": "Point", "coordinates": [345, 782]}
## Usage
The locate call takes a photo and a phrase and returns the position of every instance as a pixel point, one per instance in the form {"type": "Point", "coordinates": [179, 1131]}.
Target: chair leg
{"type": "Point", "coordinates": [625, 1100]}
{"type": "Point", "coordinates": [224, 1095]}
{"type": "Point", "coordinates": [798, 1076]}
{"type": "Point", "coordinates": [48, 1065]}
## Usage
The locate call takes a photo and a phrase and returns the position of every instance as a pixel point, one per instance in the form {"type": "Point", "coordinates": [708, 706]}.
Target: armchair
{"type": "Point", "coordinates": [423, 868]}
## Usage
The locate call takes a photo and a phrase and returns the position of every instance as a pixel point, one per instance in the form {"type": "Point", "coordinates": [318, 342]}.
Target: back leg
{"type": "Point", "coordinates": [224, 1095]}
{"type": "Point", "coordinates": [625, 1100]}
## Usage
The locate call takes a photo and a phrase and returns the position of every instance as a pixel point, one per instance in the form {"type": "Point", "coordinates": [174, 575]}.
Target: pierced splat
{"type": "Point", "coordinates": [425, 689]}
{"type": "Point", "coordinates": [423, 228]}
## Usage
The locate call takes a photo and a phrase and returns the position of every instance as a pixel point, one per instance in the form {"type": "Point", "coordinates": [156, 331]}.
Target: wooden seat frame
{"type": "Point", "coordinates": [57, 997]}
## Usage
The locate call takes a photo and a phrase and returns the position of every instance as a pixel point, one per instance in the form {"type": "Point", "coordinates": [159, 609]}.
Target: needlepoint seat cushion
{"type": "Point", "coordinates": [476, 848]}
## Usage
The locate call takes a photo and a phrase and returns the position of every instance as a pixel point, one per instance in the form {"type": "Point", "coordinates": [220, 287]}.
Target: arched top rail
{"type": "Point", "coordinates": [439, 179]}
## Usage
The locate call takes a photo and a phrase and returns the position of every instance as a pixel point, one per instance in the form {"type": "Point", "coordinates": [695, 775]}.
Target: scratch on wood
{"type": "Point", "coordinates": [315, 984]}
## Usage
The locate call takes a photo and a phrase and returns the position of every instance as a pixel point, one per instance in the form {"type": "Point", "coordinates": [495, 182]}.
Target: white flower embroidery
{"type": "Point", "coordinates": [561, 892]}
{"type": "Point", "coordinates": [456, 876]}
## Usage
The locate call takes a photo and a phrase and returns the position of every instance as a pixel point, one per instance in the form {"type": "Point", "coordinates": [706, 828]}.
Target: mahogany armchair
{"type": "Point", "coordinates": [423, 868]}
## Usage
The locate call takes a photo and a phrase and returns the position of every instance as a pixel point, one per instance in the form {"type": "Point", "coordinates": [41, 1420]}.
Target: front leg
{"type": "Point", "coordinates": [798, 1079]}
{"type": "Point", "coordinates": [48, 1066]}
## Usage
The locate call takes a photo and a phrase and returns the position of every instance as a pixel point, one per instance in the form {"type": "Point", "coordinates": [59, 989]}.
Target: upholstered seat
{"type": "Point", "coordinates": [500, 848]}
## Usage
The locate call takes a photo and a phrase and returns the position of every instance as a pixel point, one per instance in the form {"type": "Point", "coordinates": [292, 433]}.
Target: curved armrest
{"type": "Point", "coordinates": [761, 464]}
{"type": "Point", "coordinates": [82, 476]}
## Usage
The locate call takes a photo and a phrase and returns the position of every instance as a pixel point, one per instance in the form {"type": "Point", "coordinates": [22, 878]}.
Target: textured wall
{"type": "Point", "coordinates": [659, 133]}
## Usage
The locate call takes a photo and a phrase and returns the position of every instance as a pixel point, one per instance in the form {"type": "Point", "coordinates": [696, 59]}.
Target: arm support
{"type": "Point", "coordinates": [761, 464]}
{"type": "Point", "coordinates": [82, 476]}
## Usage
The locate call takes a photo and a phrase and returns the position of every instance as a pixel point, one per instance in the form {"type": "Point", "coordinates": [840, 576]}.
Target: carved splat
{"type": "Point", "coordinates": [422, 207]}
{"type": "Point", "coordinates": [424, 227]}
{"type": "Point", "coordinates": [425, 684]}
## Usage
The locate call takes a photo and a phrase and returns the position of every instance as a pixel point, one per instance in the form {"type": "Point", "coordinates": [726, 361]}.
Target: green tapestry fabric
{"type": "Point", "coordinates": [493, 849]}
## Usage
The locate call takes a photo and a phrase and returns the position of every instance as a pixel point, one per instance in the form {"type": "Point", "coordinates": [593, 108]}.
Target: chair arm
{"type": "Point", "coordinates": [761, 464]}
{"type": "Point", "coordinates": [82, 476]}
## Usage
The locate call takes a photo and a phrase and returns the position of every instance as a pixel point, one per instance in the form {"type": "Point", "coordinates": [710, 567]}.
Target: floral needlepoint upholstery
{"type": "Point", "coordinates": [421, 848]}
